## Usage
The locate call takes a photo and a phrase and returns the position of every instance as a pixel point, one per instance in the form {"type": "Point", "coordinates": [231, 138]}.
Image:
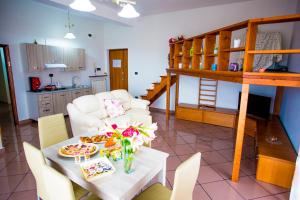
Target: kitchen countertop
{"type": "Point", "coordinates": [68, 88]}
{"type": "Point", "coordinates": [102, 75]}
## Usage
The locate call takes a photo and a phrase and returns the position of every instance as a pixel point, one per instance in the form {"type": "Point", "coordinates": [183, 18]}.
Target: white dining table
{"type": "Point", "coordinates": [148, 163]}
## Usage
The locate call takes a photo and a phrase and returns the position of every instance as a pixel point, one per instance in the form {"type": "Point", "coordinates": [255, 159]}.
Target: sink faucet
{"type": "Point", "coordinates": [75, 80]}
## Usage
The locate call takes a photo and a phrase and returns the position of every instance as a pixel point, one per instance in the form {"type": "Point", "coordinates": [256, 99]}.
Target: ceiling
{"type": "Point", "coordinates": [106, 10]}
{"type": "Point", "coordinates": [150, 7]}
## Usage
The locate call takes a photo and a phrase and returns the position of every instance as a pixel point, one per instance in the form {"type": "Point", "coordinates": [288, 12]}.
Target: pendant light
{"type": "Point", "coordinates": [83, 5]}
{"type": "Point", "coordinates": [69, 34]}
{"type": "Point", "coordinates": [128, 11]}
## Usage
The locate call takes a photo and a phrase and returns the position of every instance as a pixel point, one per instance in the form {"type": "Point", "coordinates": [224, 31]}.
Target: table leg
{"type": "Point", "coordinates": [162, 174]}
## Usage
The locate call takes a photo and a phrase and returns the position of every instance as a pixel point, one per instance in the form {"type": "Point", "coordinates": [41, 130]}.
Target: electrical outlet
{"type": "Point", "coordinates": [136, 73]}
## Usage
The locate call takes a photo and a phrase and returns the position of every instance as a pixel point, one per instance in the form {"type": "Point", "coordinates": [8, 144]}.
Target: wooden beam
{"type": "Point", "coordinates": [240, 133]}
{"type": "Point", "coordinates": [177, 90]}
{"type": "Point", "coordinates": [168, 96]}
{"type": "Point", "coordinates": [250, 45]}
{"type": "Point", "coordinates": [278, 100]}
{"type": "Point", "coordinates": [276, 51]}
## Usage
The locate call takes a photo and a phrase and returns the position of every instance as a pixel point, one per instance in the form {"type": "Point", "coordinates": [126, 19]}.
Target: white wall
{"type": "Point", "coordinates": [147, 44]}
{"type": "Point", "coordinates": [23, 21]}
{"type": "Point", "coordinates": [290, 108]}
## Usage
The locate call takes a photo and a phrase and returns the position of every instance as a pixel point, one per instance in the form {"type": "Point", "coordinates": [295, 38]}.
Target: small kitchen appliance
{"type": "Point", "coordinates": [35, 84]}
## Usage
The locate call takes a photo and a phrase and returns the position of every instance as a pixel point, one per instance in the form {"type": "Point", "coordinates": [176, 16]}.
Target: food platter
{"type": "Point", "coordinates": [96, 139]}
{"type": "Point", "coordinates": [97, 168]}
{"type": "Point", "coordinates": [72, 150]}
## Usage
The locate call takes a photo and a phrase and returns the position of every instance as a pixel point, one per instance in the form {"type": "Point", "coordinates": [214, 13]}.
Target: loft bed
{"type": "Point", "coordinates": [181, 62]}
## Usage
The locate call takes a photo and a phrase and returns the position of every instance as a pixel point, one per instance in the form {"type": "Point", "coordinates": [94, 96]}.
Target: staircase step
{"type": "Point", "coordinates": [150, 90]}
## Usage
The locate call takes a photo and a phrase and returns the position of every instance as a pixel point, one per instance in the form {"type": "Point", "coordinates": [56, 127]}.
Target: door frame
{"type": "Point", "coordinates": [110, 75]}
{"type": "Point", "coordinates": [10, 83]}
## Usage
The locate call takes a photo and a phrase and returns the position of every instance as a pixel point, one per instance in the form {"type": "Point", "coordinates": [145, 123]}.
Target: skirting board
{"type": "Point", "coordinates": [159, 110]}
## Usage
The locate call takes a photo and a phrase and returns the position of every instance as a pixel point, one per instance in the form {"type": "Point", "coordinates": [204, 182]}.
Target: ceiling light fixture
{"type": "Point", "coordinates": [128, 11]}
{"type": "Point", "coordinates": [69, 34]}
{"type": "Point", "coordinates": [83, 5]}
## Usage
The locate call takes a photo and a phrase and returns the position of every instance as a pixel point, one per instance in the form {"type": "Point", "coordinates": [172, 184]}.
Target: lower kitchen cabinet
{"type": "Point", "coordinates": [44, 104]}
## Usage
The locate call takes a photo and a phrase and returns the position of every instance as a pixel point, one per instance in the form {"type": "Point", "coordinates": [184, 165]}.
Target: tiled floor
{"type": "Point", "coordinates": [179, 138]}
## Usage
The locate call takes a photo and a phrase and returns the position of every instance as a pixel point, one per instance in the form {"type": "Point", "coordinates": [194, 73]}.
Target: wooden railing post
{"type": "Point", "coordinates": [240, 133]}
{"type": "Point", "coordinates": [168, 96]}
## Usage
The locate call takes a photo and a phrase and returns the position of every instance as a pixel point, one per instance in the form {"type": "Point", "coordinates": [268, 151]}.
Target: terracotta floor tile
{"type": "Point", "coordinates": [28, 183]}
{"type": "Point", "coordinates": [199, 193]}
{"type": "Point", "coordinates": [14, 168]}
{"type": "Point", "coordinates": [24, 195]}
{"type": "Point", "coordinates": [4, 196]}
{"type": "Point", "coordinates": [173, 162]}
{"type": "Point", "coordinates": [185, 157]}
{"type": "Point", "coordinates": [267, 198]}
{"type": "Point", "coordinates": [172, 141]}
{"type": "Point", "coordinates": [283, 196]}
{"type": "Point", "coordinates": [220, 190]}
{"type": "Point", "coordinates": [208, 174]}
{"type": "Point", "coordinates": [9, 183]}
{"type": "Point", "coordinates": [213, 157]}
{"type": "Point", "coordinates": [182, 149]}
{"type": "Point", "coordinates": [201, 147]}
{"type": "Point", "coordinates": [248, 167]}
{"type": "Point", "coordinates": [273, 189]}
{"type": "Point", "coordinates": [166, 149]}
{"type": "Point", "coordinates": [248, 188]}
{"type": "Point", "coordinates": [170, 177]}
{"type": "Point", "coordinates": [222, 144]}
{"type": "Point", "coordinates": [192, 139]}
{"type": "Point", "coordinates": [225, 170]}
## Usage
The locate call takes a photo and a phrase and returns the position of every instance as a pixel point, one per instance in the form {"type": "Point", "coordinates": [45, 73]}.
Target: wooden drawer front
{"type": "Point", "coordinates": [45, 103]}
{"type": "Point", "coordinates": [76, 94]}
{"type": "Point", "coordinates": [186, 114]}
{"type": "Point", "coordinates": [220, 119]}
{"type": "Point", "coordinates": [87, 91]}
{"type": "Point", "coordinates": [45, 97]}
{"type": "Point", "coordinates": [45, 111]}
{"type": "Point", "coordinates": [275, 171]}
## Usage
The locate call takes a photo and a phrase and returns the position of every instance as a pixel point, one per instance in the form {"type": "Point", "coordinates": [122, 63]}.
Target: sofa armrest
{"type": "Point", "coordinates": [140, 103]}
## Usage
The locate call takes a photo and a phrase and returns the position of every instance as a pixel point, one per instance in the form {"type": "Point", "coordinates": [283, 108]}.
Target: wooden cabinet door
{"type": "Point", "coordinates": [87, 91]}
{"type": "Point", "coordinates": [98, 85]}
{"type": "Point", "coordinates": [76, 94]}
{"type": "Point", "coordinates": [118, 67]}
{"type": "Point", "coordinates": [35, 57]}
{"type": "Point", "coordinates": [81, 59]}
{"type": "Point", "coordinates": [60, 102]}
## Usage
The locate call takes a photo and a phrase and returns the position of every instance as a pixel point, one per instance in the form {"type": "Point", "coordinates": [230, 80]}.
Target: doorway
{"type": "Point", "coordinates": [7, 90]}
{"type": "Point", "coordinates": [118, 68]}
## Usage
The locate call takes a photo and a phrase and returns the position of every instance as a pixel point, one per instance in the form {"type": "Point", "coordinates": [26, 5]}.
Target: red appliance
{"type": "Point", "coordinates": [35, 83]}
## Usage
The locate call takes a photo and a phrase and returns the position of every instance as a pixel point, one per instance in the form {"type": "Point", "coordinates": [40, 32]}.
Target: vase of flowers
{"type": "Point", "coordinates": [131, 137]}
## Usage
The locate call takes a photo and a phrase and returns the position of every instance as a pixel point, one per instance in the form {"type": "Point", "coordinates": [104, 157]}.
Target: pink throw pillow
{"type": "Point", "coordinates": [113, 107]}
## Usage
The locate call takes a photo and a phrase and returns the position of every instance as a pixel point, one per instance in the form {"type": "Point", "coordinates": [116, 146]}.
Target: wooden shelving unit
{"type": "Point", "coordinates": [206, 56]}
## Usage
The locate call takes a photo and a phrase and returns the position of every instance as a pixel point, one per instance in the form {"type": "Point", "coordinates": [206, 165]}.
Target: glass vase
{"type": "Point", "coordinates": [128, 156]}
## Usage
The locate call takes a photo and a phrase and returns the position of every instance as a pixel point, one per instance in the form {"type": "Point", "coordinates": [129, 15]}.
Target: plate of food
{"type": "Point", "coordinates": [72, 150]}
{"type": "Point", "coordinates": [96, 139]}
{"type": "Point", "coordinates": [97, 168]}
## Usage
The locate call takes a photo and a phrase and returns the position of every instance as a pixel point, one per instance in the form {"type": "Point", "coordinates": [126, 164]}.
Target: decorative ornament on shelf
{"type": "Point", "coordinates": [128, 11]}
{"type": "Point", "coordinates": [130, 138]}
{"type": "Point", "coordinates": [69, 35]}
{"type": "Point", "coordinates": [83, 5]}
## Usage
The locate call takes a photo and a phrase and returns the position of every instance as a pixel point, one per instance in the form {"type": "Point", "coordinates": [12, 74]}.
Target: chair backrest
{"type": "Point", "coordinates": [52, 130]}
{"type": "Point", "coordinates": [36, 160]}
{"type": "Point", "coordinates": [57, 185]}
{"type": "Point", "coordinates": [185, 179]}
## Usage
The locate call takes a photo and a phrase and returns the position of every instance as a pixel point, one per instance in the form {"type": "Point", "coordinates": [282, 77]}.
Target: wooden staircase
{"type": "Point", "coordinates": [158, 88]}
{"type": "Point", "coordinates": [208, 89]}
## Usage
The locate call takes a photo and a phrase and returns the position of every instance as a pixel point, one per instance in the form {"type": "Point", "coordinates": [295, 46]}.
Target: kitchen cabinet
{"type": "Point", "coordinates": [60, 102]}
{"type": "Point", "coordinates": [98, 83]}
{"type": "Point", "coordinates": [35, 57]}
{"type": "Point", "coordinates": [39, 55]}
{"type": "Point", "coordinates": [49, 103]}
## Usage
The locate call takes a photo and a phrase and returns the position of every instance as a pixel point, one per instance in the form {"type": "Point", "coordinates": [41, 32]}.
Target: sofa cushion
{"type": "Point", "coordinates": [137, 111]}
{"type": "Point", "coordinates": [124, 97]}
{"type": "Point", "coordinates": [90, 105]}
{"type": "Point", "coordinates": [121, 121]}
{"type": "Point", "coordinates": [104, 95]}
{"type": "Point", "coordinates": [113, 107]}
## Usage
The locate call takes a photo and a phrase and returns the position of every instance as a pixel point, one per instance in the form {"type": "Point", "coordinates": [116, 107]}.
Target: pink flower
{"type": "Point", "coordinates": [109, 134]}
{"type": "Point", "coordinates": [114, 126]}
{"type": "Point", "coordinates": [129, 132]}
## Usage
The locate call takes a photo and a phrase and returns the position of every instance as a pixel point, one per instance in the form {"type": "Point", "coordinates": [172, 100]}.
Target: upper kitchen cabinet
{"type": "Point", "coordinates": [35, 57]}
{"type": "Point", "coordinates": [39, 55]}
{"type": "Point", "coordinates": [74, 59]}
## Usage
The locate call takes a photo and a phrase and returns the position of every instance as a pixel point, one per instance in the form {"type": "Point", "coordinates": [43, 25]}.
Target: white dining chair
{"type": "Point", "coordinates": [36, 161]}
{"type": "Point", "coordinates": [59, 186]}
{"type": "Point", "coordinates": [52, 130]}
{"type": "Point", "coordinates": [185, 179]}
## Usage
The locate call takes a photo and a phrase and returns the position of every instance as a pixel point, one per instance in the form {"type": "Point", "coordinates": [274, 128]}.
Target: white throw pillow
{"type": "Point", "coordinates": [114, 107]}
{"type": "Point", "coordinates": [87, 103]}
{"type": "Point", "coordinates": [124, 97]}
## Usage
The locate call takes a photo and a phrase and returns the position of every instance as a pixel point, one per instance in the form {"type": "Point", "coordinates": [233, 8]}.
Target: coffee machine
{"type": "Point", "coordinates": [35, 84]}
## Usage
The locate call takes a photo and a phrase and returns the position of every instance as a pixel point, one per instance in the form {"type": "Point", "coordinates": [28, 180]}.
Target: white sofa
{"type": "Point", "coordinates": [88, 113]}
